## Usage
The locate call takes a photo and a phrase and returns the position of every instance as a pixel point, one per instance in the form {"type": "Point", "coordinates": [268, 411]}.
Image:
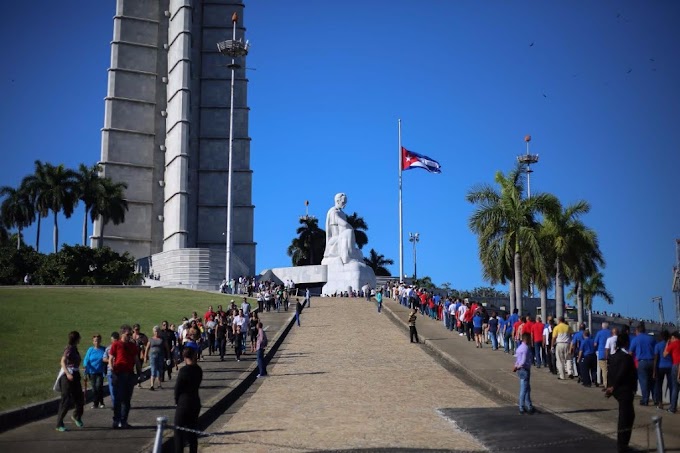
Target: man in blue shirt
{"type": "Point", "coordinates": [493, 331]}
{"type": "Point", "coordinates": [502, 322]}
{"type": "Point", "coordinates": [447, 317]}
{"type": "Point", "coordinates": [642, 347]}
{"type": "Point", "coordinates": [662, 368]}
{"type": "Point", "coordinates": [600, 342]}
{"type": "Point", "coordinates": [509, 340]}
{"type": "Point", "coordinates": [574, 350]}
{"type": "Point", "coordinates": [587, 360]}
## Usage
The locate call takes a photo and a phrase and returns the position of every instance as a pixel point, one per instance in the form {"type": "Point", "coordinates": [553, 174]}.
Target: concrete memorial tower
{"type": "Point", "coordinates": [166, 134]}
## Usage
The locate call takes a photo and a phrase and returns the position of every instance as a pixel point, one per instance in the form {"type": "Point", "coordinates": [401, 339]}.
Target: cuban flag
{"type": "Point", "coordinates": [410, 160]}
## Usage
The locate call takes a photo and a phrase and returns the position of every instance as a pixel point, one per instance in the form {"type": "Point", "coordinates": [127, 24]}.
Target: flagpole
{"type": "Point", "coordinates": [401, 218]}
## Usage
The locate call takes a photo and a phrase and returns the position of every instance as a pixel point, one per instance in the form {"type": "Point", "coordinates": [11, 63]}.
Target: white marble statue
{"type": "Point", "coordinates": [345, 262]}
{"type": "Point", "coordinates": [340, 241]}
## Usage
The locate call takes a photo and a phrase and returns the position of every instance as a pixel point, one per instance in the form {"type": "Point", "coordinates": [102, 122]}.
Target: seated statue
{"type": "Point", "coordinates": [346, 269]}
{"type": "Point", "coordinates": [340, 241]}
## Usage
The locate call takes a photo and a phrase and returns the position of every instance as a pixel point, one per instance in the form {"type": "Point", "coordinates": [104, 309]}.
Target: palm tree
{"type": "Point", "coordinates": [425, 282]}
{"type": "Point", "coordinates": [16, 210]}
{"type": "Point", "coordinates": [309, 246]}
{"type": "Point", "coordinates": [59, 194]}
{"type": "Point", "coordinates": [567, 236]}
{"type": "Point", "coordinates": [110, 206]}
{"type": "Point", "coordinates": [585, 262]}
{"type": "Point", "coordinates": [36, 186]}
{"type": "Point", "coordinates": [360, 227]}
{"type": "Point", "coordinates": [593, 286]}
{"type": "Point", "coordinates": [538, 270]}
{"type": "Point", "coordinates": [377, 262]}
{"type": "Point", "coordinates": [89, 188]}
{"type": "Point", "coordinates": [505, 223]}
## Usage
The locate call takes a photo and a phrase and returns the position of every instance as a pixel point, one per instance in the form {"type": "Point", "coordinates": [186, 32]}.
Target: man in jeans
{"type": "Point", "coordinates": [523, 370]}
{"type": "Point", "coordinates": [124, 359]}
{"type": "Point", "coordinates": [260, 347]}
{"type": "Point", "coordinates": [642, 348]}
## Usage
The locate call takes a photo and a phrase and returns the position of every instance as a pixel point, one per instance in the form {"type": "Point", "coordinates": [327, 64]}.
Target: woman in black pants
{"type": "Point", "coordinates": [188, 401]}
{"type": "Point", "coordinates": [69, 383]}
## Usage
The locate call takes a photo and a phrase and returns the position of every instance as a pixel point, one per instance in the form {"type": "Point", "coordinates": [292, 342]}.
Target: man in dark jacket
{"type": "Point", "coordinates": [412, 325]}
{"type": "Point", "coordinates": [298, 311]}
{"type": "Point", "coordinates": [622, 378]}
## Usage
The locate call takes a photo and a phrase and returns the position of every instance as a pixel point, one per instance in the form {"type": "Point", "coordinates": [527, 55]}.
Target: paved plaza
{"type": "Point", "coordinates": [348, 378]}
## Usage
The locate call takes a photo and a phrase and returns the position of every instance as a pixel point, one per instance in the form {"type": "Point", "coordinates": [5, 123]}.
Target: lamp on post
{"type": "Point", "coordinates": [231, 48]}
{"type": "Point", "coordinates": [414, 238]}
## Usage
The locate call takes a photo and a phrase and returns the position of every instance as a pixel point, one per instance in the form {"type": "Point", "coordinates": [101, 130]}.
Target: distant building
{"type": "Point", "coordinates": [165, 134]}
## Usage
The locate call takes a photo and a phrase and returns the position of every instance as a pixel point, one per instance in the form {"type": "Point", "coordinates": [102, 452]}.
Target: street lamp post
{"type": "Point", "coordinates": [231, 48]}
{"type": "Point", "coordinates": [414, 238]}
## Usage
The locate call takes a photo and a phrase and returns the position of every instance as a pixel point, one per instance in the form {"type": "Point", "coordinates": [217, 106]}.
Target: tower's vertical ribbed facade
{"type": "Point", "coordinates": [166, 135]}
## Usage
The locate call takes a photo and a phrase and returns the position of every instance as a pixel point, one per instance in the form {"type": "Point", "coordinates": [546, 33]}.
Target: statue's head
{"type": "Point", "coordinates": [340, 200]}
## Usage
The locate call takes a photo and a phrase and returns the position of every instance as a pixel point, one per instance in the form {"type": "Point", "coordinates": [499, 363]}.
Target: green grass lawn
{"type": "Point", "coordinates": [35, 322]}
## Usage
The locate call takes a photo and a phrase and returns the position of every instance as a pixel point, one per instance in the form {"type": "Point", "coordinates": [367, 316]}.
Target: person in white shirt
{"type": "Point", "coordinates": [452, 315]}
{"type": "Point", "coordinates": [610, 345]}
{"type": "Point", "coordinates": [461, 315]}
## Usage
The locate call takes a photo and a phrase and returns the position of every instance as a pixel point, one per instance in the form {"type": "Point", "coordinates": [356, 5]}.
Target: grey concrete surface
{"type": "Point", "coordinates": [491, 371]}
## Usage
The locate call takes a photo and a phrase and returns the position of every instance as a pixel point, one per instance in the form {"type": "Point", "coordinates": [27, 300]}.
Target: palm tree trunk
{"type": "Point", "coordinates": [19, 239]}
{"type": "Point", "coordinates": [579, 303]}
{"type": "Point", "coordinates": [544, 303]}
{"type": "Point", "coordinates": [559, 290]}
{"type": "Point", "coordinates": [518, 282]}
{"type": "Point", "coordinates": [513, 305]}
{"type": "Point", "coordinates": [55, 236]}
{"type": "Point", "coordinates": [85, 227]}
{"type": "Point", "coordinates": [37, 234]}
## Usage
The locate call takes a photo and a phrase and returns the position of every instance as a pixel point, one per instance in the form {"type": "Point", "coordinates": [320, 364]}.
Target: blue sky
{"type": "Point", "coordinates": [597, 91]}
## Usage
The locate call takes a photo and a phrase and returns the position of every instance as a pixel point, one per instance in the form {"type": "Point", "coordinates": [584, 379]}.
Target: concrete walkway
{"type": "Point", "coordinates": [492, 370]}
{"type": "Point", "coordinates": [221, 380]}
{"type": "Point", "coordinates": [348, 378]}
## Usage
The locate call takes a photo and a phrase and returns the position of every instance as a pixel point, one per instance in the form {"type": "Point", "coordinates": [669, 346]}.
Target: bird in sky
{"type": "Point", "coordinates": [531, 45]}
{"type": "Point", "coordinates": [629, 71]}
{"type": "Point", "coordinates": [544, 95]}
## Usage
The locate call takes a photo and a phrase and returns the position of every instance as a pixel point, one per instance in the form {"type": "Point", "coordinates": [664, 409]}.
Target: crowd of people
{"type": "Point", "coordinates": [614, 359]}
{"type": "Point", "coordinates": [170, 348]}
{"type": "Point", "coordinates": [247, 286]}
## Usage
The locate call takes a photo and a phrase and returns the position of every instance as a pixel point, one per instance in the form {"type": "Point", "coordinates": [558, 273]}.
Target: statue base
{"type": "Point", "coordinates": [346, 277]}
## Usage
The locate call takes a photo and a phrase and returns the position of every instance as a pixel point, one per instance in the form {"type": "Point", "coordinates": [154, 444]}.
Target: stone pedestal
{"type": "Point", "coordinates": [346, 277]}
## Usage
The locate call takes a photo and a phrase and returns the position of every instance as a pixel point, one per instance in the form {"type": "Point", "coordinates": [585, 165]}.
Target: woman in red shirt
{"type": "Point", "coordinates": [673, 349]}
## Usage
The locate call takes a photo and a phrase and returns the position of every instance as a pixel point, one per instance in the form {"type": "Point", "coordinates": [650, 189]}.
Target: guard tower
{"type": "Point", "coordinates": [527, 160]}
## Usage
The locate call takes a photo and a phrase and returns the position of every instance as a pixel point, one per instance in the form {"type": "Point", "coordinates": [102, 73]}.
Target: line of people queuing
{"type": "Point", "coordinates": [121, 363]}
{"type": "Point", "coordinates": [615, 360]}
{"type": "Point", "coordinates": [554, 346]}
